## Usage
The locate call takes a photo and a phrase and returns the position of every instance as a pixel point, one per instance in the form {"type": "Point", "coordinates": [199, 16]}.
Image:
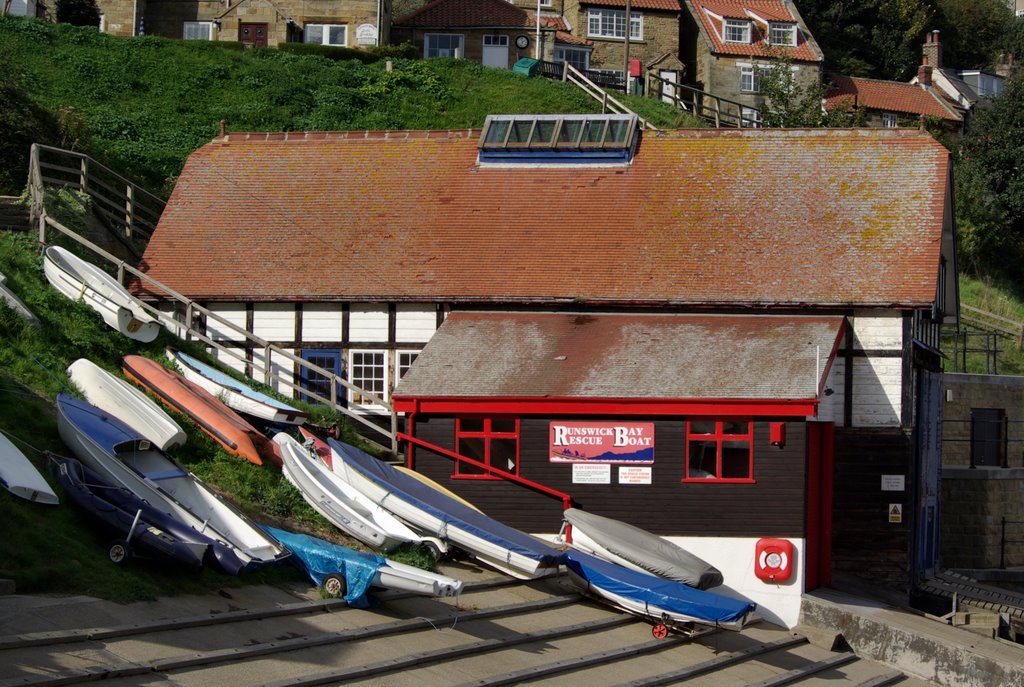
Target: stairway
{"type": "Point", "coordinates": [13, 214]}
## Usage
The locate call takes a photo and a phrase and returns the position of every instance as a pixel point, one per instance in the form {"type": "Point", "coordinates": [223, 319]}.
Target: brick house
{"type": "Point", "coordinates": [891, 104]}
{"type": "Point", "coordinates": [730, 42]}
{"type": "Point", "coordinates": [261, 23]}
{"type": "Point", "coordinates": [760, 308]}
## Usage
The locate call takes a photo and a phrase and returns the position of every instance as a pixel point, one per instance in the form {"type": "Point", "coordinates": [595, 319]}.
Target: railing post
{"type": "Point", "coordinates": [129, 210]}
{"type": "Point", "coordinates": [267, 365]}
{"type": "Point", "coordinates": [83, 175]}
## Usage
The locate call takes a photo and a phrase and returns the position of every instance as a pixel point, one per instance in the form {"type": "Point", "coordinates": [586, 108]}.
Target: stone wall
{"type": "Point", "coordinates": [961, 393]}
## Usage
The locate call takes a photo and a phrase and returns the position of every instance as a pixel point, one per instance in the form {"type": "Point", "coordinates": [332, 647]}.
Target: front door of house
{"type": "Point", "coordinates": [495, 51]}
{"type": "Point", "coordinates": [253, 34]}
{"type": "Point", "coordinates": [317, 384]}
{"type": "Point", "coordinates": [668, 85]}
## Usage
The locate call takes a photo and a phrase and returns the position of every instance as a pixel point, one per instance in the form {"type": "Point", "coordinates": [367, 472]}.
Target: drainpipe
{"type": "Point", "coordinates": [378, 22]}
{"type": "Point", "coordinates": [536, 40]}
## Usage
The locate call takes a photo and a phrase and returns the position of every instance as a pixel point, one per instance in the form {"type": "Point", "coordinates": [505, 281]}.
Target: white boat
{"type": "Point", "coordinates": [428, 510]}
{"type": "Point", "coordinates": [124, 457]}
{"type": "Point", "coordinates": [126, 402]}
{"type": "Point", "coordinates": [80, 280]}
{"type": "Point", "coordinates": [236, 395]}
{"type": "Point", "coordinates": [340, 503]}
{"type": "Point", "coordinates": [636, 549]}
{"type": "Point", "coordinates": [19, 476]}
{"type": "Point", "coordinates": [16, 304]}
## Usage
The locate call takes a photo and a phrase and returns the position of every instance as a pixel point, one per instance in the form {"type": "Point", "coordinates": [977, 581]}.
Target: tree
{"type": "Point", "coordinates": [973, 31]}
{"type": "Point", "coordinates": [78, 12]}
{"type": "Point", "coordinates": [790, 104]}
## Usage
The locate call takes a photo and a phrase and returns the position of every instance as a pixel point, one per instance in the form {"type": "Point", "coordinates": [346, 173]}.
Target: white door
{"type": "Point", "coordinates": [496, 51]}
{"type": "Point", "coordinates": [668, 86]}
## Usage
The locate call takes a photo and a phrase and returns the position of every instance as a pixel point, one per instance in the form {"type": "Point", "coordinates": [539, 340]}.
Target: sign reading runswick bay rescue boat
{"type": "Point", "coordinates": [602, 442]}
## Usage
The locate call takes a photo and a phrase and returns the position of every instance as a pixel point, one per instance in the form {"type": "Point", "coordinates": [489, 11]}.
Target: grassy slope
{"type": "Point", "coordinates": [1000, 300]}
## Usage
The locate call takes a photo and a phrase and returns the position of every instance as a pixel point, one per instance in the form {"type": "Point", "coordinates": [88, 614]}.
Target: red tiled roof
{"type": "Point", "coordinates": [889, 96]}
{"type": "Point", "coordinates": [450, 14]}
{"type": "Point", "coordinates": [638, 5]}
{"type": "Point", "coordinates": [570, 39]}
{"type": "Point", "coordinates": [574, 355]}
{"type": "Point", "coordinates": [708, 14]}
{"type": "Point", "coordinates": [765, 217]}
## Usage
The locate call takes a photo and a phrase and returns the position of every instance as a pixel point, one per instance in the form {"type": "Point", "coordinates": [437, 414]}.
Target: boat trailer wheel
{"type": "Point", "coordinates": [118, 552]}
{"type": "Point", "coordinates": [660, 630]}
{"type": "Point", "coordinates": [335, 585]}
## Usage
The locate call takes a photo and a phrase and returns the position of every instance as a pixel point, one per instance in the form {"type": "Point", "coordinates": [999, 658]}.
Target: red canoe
{"type": "Point", "coordinates": [224, 425]}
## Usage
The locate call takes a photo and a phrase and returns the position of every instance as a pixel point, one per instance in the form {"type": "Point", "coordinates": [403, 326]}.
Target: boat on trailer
{"type": "Point", "coordinates": [82, 281]}
{"type": "Point", "coordinates": [342, 504]}
{"type": "Point", "coordinates": [224, 425]}
{"type": "Point", "coordinates": [636, 549]}
{"type": "Point", "coordinates": [432, 512]}
{"type": "Point", "coordinates": [352, 574]}
{"type": "Point", "coordinates": [237, 395]}
{"type": "Point", "coordinates": [124, 457]}
{"type": "Point", "coordinates": [126, 402]}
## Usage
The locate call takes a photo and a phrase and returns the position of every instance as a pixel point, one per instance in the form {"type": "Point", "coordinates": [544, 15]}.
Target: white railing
{"type": "Point", "coordinates": [608, 103]}
{"type": "Point", "coordinates": [190, 312]}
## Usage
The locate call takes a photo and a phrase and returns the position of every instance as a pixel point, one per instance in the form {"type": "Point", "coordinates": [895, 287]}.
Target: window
{"type": "Point", "coordinates": [492, 441]}
{"type": "Point", "coordinates": [782, 34]}
{"type": "Point", "coordinates": [719, 450]}
{"type": "Point", "coordinates": [443, 45]}
{"type": "Point", "coordinates": [197, 30]}
{"type": "Point", "coordinates": [326, 34]}
{"type": "Point", "coordinates": [604, 23]}
{"type": "Point", "coordinates": [736, 31]}
{"type": "Point", "coordinates": [369, 371]}
{"type": "Point", "coordinates": [575, 56]}
{"type": "Point", "coordinates": [750, 78]}
{"type": "Point", "coordinates": [496, 41]}
{"type": "Point", "coordinates": [751, 117]}
{"type": "Point", "coordinates": [405, 361]}
{"type": "Point", "coordinates": [889, 120]}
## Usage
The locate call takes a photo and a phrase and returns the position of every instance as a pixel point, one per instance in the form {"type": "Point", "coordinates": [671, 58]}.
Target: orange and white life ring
{"type": "Point", "coordinates": [773, 560]}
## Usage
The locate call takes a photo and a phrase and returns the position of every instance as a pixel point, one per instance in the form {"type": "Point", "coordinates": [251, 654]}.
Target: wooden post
{"type": "Point", "coordinates": [83, 175]}
{"type": "Point", "coordinates": [129, 210]}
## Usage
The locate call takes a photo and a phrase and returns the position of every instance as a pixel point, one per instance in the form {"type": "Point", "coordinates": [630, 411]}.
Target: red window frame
{"type": "Point", "coordinates": [718, 439]}
{"type": "Point", "coordinates": [487, 434]}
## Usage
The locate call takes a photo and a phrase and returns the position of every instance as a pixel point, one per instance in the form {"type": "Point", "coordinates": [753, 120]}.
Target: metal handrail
{"type": "Point", "coordinates": [193, 311]}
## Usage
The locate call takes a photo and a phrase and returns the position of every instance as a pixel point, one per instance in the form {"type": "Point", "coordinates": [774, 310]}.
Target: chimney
{"type": "Point", "coordinates": [932, 50]}
{"type": "Point", "coordinates": [924, 73]}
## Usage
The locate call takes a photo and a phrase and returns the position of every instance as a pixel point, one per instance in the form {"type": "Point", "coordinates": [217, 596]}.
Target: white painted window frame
{"type": "Point", "coordinates": [430, 50]}
{"type": "Point", "coordinates": [780, 29]}
{"type": "Point", "coordinates": [325, 34]}
{"type": "Point", "coordinates": [401, 369]}
{"type": "Point", "coordinates": [890, 120]}
{"type": "Point", "coordinates": [750, 78]}
{"type": "Point", "coordinates": [196, 27]}
{"type": "Point", "coordinates": [608, 23]}
{"type": "Point", "coordinates": [562, 51]}
{"type": "Point", "coordinates": [736, 30]}
{"type": "Point", "coordinates": [361, 380]}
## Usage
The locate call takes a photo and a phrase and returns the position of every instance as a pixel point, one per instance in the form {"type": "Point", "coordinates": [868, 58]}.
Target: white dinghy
{"type": "Point", "coordinates": [83, 281]}
{"type": "Point", "coordinates": [19, 476]}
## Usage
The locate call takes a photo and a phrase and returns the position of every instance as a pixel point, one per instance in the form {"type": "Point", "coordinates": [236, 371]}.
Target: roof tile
{"type": "Point", "coordinates": [709, 14]}
{"type": "Point", "coordinates": [891, 96]}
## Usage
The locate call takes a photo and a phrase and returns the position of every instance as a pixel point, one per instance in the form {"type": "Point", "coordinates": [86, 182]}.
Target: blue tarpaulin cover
{"type": "Point", "coordinates": [668, 595]}
{"type": "Point", "coordinates": [441, 506]}
{"type": "Point", "coordinates": [320, 558]}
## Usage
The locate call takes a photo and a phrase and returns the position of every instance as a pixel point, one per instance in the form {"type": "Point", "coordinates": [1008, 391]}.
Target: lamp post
{"type": "Point", "coordinates": [536, 40]}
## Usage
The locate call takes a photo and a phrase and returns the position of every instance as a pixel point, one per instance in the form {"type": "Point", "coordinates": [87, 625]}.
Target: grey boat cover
{"type": "Point", "coordinates": [654, 554]}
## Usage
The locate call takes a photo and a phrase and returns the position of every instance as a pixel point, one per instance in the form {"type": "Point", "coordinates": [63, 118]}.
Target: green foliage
{"type": "Point", "coordinates": [336, 53]}
{"type": "Point", "coordinates": [789, 103]}
{"type": "Point", "coordinates": [23, 123]}
{"type": "Point", "coordinates": [1003, 298]}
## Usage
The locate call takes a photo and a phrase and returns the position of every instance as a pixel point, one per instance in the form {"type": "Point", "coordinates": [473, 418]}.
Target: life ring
{"type": "Point", "coordinates": [773, 560]}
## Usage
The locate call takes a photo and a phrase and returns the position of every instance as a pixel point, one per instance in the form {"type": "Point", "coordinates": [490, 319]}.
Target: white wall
{"type": "Point", "coordinates": [321, 322]}
{"type": "Point", "coordinates": [233, 313]}
{"type": "Point", "coordinates": [22, 8]}
{"type": "Point", "coordinates": [415, 323]}
{"type": "Point", "coordinates": [274, 321]}
{"type": "Point", "coordinates": [368, 322]}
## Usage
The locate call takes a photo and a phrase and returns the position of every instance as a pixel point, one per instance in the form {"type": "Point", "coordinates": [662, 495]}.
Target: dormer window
{"type": "Point", "coordinates": [737, 31]}
{"type": "Point", "coordinates": [780, 33]}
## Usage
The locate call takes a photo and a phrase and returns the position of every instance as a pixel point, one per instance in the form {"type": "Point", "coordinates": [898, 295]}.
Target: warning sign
{"type": "Point", "coordinates": [895, 512]}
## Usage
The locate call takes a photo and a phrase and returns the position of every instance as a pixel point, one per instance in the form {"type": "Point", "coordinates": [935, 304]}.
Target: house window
{"type": "Point", "coordinates": [605, 23]}
{"type": "Point", "coordinates": [751, 117]}
{"type": "Point", "coordinates": [405, 361]}
{"type": "Point", "coordinates": [197, 30]}
{"type": "Point", "coordinates": [496, 41]}
{"type": "Point", "coordinates": [443, 45]}
{"type": "Point", "coordinates": [326, 34]}
{"type": "Point", "coordinates": [736, 31]}
{"type": "Point", "coordinates": [782, 34]}
{"type": "Point", "coordinates": [369, 371]}
{"type": "Point", "coordinates": [889, 120]}
{"type": "Point", "coordinates": [607, 77]}
{"type": "Point", "coordinates": [577, 57]}
{"type": "Point", "coordinates": [492, 441]}
{"type": "Point", "coordinates": [719, 450]}
{"type": "Point", "coordinates": [750, 79]}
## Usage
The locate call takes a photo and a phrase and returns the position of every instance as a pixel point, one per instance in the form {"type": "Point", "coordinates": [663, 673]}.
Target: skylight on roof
{"type": "Point", "coordinates": [558, 139]}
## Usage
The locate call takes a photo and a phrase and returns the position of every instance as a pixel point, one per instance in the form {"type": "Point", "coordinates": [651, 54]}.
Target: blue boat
{"type": "Point", "coordinates": [437, 514]}
{"type": "Point", "coordinates": [665, 602]}
{"type": "Point", "coordinates": [122, 456]}
{"type": "Point", "coordinates": [136, 527]}
{"type": "Point", "coordinates": [352, 574]}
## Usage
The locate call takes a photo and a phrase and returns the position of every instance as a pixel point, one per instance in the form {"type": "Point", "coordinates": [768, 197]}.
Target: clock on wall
{"type": "Point", "coordinates": [522, 42]}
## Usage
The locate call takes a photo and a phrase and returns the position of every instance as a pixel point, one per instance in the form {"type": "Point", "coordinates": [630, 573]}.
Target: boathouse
{"type": "Point", "coordinates": [730, 338]}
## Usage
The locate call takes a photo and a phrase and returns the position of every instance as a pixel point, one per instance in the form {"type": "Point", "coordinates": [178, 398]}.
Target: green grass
{"type": "Point", "coordinates": [1000, 299]}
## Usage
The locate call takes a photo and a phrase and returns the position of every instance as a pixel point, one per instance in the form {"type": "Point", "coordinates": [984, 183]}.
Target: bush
{"type": "Point", "coordinates": [331, 52]}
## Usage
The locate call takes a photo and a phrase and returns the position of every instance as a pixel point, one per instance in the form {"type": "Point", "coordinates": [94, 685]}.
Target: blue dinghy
{"type": "Point", "coordinates": [439, 515]}
{"type": "Point", "coordinates": [661, 600]}
{"type": "Point", "coordinates": [138, 528]}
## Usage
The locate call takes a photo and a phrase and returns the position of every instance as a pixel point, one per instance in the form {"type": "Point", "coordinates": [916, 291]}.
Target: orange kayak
{"type": "Point", "coordinates": [224, 425]}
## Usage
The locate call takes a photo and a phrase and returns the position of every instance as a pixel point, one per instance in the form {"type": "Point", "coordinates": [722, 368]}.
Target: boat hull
{"type": "Point", "coordinates": [16, 304]}
{"type": "Point", "coordinates": [123, 457]}
{"type": "Point", "coordinates": [125, 402]}
{"type": "Point", "coordinates": [222, 424]}
{"type": "Point", "coordinates": [80, 280]}
{"type": "Point", "coordinates": [20, 477]}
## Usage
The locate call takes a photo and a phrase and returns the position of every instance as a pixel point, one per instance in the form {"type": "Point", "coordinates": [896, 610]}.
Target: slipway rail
{"type": "Point", "coordinates": [269, 364]}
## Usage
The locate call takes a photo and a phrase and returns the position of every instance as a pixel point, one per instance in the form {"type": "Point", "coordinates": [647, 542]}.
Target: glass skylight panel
{"type": "Point", "coordinates": [546, 139]}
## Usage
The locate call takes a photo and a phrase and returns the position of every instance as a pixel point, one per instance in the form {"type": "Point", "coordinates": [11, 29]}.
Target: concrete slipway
{"type": "Point", "coordinates": [499, 631]}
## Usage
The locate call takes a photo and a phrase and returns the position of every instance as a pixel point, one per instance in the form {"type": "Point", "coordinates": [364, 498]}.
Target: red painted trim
{"type": "Point", "coordinates": [818, 517]}
{"type": "Point", "coordinates": [566, 498]}
{"type": "Point", "coordinates": [608, 406]}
